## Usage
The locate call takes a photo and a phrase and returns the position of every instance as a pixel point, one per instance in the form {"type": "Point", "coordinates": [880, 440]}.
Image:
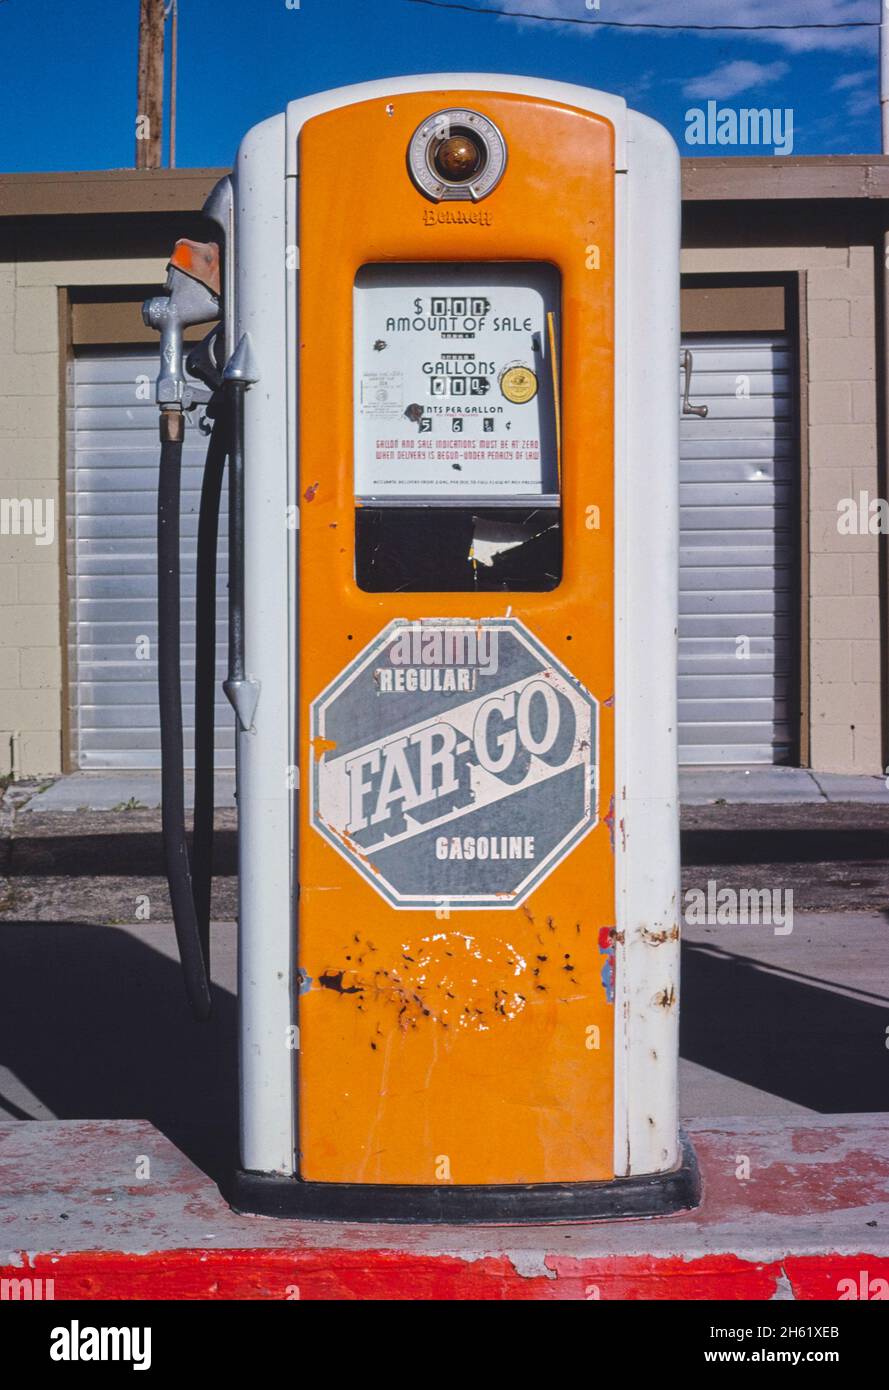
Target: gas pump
{"type": "Point", "coordinates": [443, 376]}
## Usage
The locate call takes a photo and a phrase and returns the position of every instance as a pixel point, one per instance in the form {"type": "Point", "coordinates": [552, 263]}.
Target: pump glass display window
{"type": "Point", "coordinates": [457, 428]}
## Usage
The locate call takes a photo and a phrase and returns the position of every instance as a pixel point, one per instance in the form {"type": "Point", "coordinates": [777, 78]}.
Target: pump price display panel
{"type": "Point", "coordinates": [456, 392]}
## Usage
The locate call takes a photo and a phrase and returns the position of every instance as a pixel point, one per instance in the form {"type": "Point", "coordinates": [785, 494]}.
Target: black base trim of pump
{"type": "Point", "coordinates": [656, 1194]}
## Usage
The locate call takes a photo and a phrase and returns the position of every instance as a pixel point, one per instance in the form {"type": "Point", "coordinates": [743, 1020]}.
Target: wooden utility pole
{"type": "Point", "coordinates": [174, 76]}
{"type": "Point", "coordinates": [150, 104]}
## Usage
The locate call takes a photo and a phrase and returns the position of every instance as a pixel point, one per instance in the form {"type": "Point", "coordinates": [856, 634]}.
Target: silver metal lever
{"type": "Point", "coordinates": [686, 362]}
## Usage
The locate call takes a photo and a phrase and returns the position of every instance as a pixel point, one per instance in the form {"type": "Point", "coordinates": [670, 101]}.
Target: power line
{"type": "Point", "coordinates": [628, 24]}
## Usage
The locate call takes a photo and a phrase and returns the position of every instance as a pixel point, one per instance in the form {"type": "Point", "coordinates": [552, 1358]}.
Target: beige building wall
{"type": "Point", "coordinates": [32, 574]}
{"type": "Point", "coordinates": [843, 593]}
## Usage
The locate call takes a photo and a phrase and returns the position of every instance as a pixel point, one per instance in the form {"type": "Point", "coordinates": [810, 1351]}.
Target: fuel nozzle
{"type": "Point", "coordinates": [191, 296]}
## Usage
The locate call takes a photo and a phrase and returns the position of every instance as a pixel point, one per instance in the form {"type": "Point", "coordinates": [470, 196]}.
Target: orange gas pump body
{"type": "Point", "coordinates": [408, 1073]}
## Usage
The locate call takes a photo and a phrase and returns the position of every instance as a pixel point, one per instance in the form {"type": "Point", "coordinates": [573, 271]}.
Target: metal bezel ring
{"type": "Point", "coordinates": [454, 119]}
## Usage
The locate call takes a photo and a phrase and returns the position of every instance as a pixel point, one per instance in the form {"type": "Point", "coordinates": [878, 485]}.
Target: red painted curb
{"type": "Point", "coordinates": [336, 1274]}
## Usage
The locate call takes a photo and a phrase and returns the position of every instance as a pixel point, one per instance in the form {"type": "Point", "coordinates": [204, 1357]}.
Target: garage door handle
{"type": "Point", "coordinates": [686, 361]}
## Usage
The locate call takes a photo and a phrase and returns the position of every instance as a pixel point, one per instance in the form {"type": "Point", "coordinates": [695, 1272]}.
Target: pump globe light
{"type": "Point", "coordinates": [458, 158]}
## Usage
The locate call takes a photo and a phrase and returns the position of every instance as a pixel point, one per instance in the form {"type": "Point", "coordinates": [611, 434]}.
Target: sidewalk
{"type": "Point", "coordinates": [106, 791]}
{"type": "Point", "coordinates": [704, 786]}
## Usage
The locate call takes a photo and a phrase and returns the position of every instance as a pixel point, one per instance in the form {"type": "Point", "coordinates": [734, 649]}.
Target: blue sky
{"type": "Point", "coordinates": [68, 67]}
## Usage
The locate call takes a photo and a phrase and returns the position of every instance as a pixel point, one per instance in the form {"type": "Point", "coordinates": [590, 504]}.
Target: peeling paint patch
{"type": "Point", "coordinates": [606, 949]}
{"type": "Point", "coordinates": [609, 821]}
{"type": "Point", "coordinates": [430, 982]}
{"type": "Point", "coordinates": [659, 938]}
{"type": "Point", "coordinates": [310, 491]}
{"type": "Point", "coordinates": [532, 1264]}
{"type": "Point", "coordinates": [336, 980]}
{"type": "Point", "coordinates": [783, 1289]}
{"type": "Point", "coordinates": [349, 843]}
{"type": "Point", "coordinates": [305, 982]}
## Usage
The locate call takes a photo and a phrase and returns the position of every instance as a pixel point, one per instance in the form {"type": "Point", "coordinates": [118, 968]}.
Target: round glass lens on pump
{"type": "Point", "coordinates": [458, 158]}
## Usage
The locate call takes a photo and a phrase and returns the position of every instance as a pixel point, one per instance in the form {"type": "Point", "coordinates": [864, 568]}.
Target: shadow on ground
{"type": "Point", "coordinates": [94, 1025]}
{"type": "Point", "coordinates": [772, 845]}
{"type": "Point", "coordinates": [784, 1032]}
{"type": "Point", "coordinates": [79, 855]}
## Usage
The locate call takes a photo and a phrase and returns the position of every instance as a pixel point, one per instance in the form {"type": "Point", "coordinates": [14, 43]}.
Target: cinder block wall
{"type": "Point", "coordinates": [32, 576]}
{"type": "Point", "coordinates": [844, 609]}
{"type": "Point", "coordinates": [844, 577]}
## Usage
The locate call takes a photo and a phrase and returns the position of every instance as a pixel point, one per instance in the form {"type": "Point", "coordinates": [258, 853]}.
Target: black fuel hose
{"type": "Point", "coordinates": [205, 675]}
{"type": "Point", "coordinates": [189, 894]}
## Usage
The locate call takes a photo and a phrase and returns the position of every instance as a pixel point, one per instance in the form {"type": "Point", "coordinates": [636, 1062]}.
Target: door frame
{"type": "Point", "coordinates": [760, 302]}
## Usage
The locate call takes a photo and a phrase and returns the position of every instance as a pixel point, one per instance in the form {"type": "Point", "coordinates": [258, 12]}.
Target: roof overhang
{"type": "Point", "coordinates": [153, 191]}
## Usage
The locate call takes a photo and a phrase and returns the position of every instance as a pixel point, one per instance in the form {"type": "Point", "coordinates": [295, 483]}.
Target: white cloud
{"type": "Point", "coordinates": [861, 93]}
{"type": "Point", "coordinates": [744, 13]}
{"type": "Point", "coordinates": [732, 78]}
{"type": "Point", "coordinates": [850, 80]}
{"type": "Point", "coordinates": [862, 104]}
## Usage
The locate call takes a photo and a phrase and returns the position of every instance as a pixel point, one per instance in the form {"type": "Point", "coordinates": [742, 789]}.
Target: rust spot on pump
{"type": "Point", "coordinates": [335, 980]}
{"type": "Point", "coordinates": [659, 938]}
{"type": "Point", "coordinates": [310, 491]}
{"type": "Point", "coordinates": [449, 979]}
{"type": "Point", "coordinates": [609, 821]}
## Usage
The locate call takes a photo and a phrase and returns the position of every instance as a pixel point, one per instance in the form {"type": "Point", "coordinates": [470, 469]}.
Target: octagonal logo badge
{"type": "Point", "coordinates": [454, 763]}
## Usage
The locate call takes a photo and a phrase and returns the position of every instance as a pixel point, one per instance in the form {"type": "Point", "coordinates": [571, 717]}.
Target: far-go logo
{"type": "Point", "coordinates": [454, 763]}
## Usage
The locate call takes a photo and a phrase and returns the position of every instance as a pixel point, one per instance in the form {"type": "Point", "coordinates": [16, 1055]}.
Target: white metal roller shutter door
{"type": "Point", "coordinates": [738, 580]}
{"type": "Point", "coordinates": [112, 524]}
